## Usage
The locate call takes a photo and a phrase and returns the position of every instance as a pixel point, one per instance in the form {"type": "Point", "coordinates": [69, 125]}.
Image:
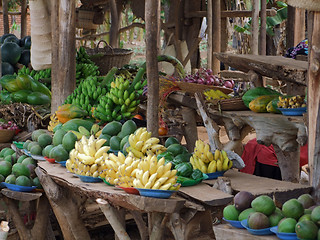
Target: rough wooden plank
{"type": "Point", "coordinates": [216, 35]}
{"type": "Point", "coordinates": [276, 67]}
{"type": "Point", "coordinates": [314, 107]}
{"type": "Point", "coordinates": [229, 13]}
{"type": "Point", "coordinates": [227, 232]}
{"type": "Point", "coordinates": [20, 196]}
{"type": "Point", "coordinates": [112, 194]}
{"type": "Point", "coordinates": [206, 194]}
{"type": "Point", "coordinates": [152, 38]}
{"type": "Point", "coordinates": [260, 185]}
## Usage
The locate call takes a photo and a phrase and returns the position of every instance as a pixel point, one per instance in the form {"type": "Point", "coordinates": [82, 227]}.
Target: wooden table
{"type": "Point", "coordinates": [180, 213]}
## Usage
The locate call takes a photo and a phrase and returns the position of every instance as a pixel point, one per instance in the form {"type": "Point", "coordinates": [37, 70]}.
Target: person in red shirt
{"type": "Point", "coordinates": [261, 160]}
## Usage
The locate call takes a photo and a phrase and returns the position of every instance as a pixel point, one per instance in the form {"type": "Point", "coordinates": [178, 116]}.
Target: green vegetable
{"type": "Point", "coordinates": [21, 96]}
{"type": "Point", "coordinates": [38, 98]}
{"type": "Point", "coordinates": [5, 97]}
{"type": "Point", "coordinates": [196, 174]}
{"type": "Point", "coordinates": [40, 87]}
{"type": "Point", "coordinates": [253, 93]}
{"type": "Point", "coordinates": [184, 169]}
{"type": "Point", "coordinates": [9, 83]}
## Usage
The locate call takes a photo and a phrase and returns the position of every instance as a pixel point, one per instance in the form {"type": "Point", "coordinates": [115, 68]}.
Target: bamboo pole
{"type": "Point", "coordinates": [152, 19]}
{"type": "Point", "coordinates": [255, 27]}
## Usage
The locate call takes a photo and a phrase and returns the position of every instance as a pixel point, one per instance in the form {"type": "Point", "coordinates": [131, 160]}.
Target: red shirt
{"type": "Point", "coordinates": [266, 155]}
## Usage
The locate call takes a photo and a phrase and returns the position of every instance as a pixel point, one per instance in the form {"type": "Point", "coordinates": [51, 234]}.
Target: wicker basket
{"type": "Point", "coordinates": [194, 87]}
{"type": "Point", "coordinates": [6, 135]}
{"type": "Point", "coordinates": [231, 104]}
{"type": "Point", "coordinates": [108, 57]}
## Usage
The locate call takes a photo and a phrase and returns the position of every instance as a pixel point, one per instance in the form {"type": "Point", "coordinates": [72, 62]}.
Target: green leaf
{"type": "Point", "coordinates": [239, 29]}
{"type": "Point", "coordinates": [281, 4]}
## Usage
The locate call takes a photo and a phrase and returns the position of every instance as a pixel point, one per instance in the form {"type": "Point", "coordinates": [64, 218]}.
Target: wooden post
{"type": "Point", "coordinates": [314, 107]}
{"type": "Point", "coordinates": [23, 18]}
{"type": "Point", "coordinates": [209, 28]}
{"type": "Point", "coordinates": [216, 35]}
{"type": "Point", "coordinates": [55, 50]}
{"type": "Point", "coordinates": [190, 129]}
{"type": "Point", "coordinates": [290, 27]}
{"type": "Point", "coordinates": [152, 37]}
{"type": "Point", "coordinates": [263, 28]}
{"type": "Point", "coordinates": [299, 25]}
{"type": "Point", "coordinates": [65, 70]}
{"type": "Point", "coordinates": [255, 27]}
{"type": "Point", "coordinates": [5, 16]}
{"type": "Point", "coordinates": [114, 28]}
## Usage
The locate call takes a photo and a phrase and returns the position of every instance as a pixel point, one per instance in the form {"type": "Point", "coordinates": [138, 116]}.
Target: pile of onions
{"type": "Point", "coordinates": [205, 76]}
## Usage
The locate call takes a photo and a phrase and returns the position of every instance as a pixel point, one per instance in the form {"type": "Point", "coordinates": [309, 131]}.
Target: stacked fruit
{"type": "Point", "coordinates": [121, 101]}
{"type": "Point", "coordinates": [215, 95]}
{"type": "Point", "coordinates": [36, 75]}
{"type": "Point", "coordinates": [87, 93]}
{"type": "Point", "coordinates": [300, 216]}
{"type": "Point", "coordinates": [141, 144]}
{"type": "Point", "coordinates": [204, 160]}
{"type": "Point", "coordinates": [291, 102]}
{"type": "Point", "coordinates": [17, 170]}
{"type": "Point", "coordinates": [87, 156]}
{"type": "Point", "coordinates": [85, 66]}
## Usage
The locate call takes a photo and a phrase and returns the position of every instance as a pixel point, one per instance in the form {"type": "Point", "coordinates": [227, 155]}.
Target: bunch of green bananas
{"type": "Point", "coordinates": [121, 101]}
{"type": "Point", "coordinates": [85, 67]}
{"type": "Point", "coordinates": [83, 57]}
{"type": "Point", "coordinates": [87, 93]}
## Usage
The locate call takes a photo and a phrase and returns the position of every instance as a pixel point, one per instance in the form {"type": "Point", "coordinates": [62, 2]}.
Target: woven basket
{"type": "Point", "coordinates": [108, 57]}
{"type": "Point", "coordinates": [6, 135]}
{"type": "Point", "coordinates": [195, 87]}
{"type": "Point", "coordinates": [232, 104]}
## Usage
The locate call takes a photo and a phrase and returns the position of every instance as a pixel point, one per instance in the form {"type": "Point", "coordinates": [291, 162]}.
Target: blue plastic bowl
{"type": "Point", "coordinates": [89, 179]}
{"type": "Point", "coordinates": [284, 236]}
{"type": "Point", "coordinates": [264, 231]}
{"type": "Point", "coordinates": [62, 163]}
{"type": "Point", "coordinates": [18, 188]}
{"type": "Point", "coordinates": [155, 193]}
{"type": "Point", "coordinates": [215, 175]}
{"type": "Point", "coordinates": [236, 224]}
{"type": "Point", "coordinates": [293, 111]}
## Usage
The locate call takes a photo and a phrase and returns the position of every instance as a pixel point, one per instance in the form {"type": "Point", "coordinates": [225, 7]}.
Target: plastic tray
{"type": "Point", "coordinates": [236, 224]}
{"type": "Point", "coordinates": [38, 157]}
{"type": "Point", "coordinates": [89, 179]}
{"type": "Point", "coordinates": [18, 188]}
{"type": "Point", "coordinates": [62, 163]}
{"type": "Point", "coordinates": [130, 190]}
{"type": "Point", "coordinates": [192, 182]}
{"type": "Point", "coordinates": [26, 152]}
{"type": "Point", "coordinates": [50, 160]}
{"type": "Point", "coordinates": [18, 144]}
{"type": "Point", "coordinates": [264, 231]}
{"type": "Point", "coordinates": [284, 236]}
{"type": "Point", "coordinates": [106, 182]}
{"type": "Point", "coordinates": [215, 175]}
{"type": "Point", "coordinates": [293, 111]}
{"type": "Point", "coordinates": [155, 193]}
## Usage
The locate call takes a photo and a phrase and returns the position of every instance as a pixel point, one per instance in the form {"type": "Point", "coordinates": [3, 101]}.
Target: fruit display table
{"type": "Point", "coordinates": [181, 213]}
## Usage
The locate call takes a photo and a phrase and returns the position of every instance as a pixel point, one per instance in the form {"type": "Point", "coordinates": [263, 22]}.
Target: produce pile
{"type": "Point", "coordinates": [14, 51]}
{"type": "Point", "coordinates": [300, 216]}
{"type": "Point", "coordinates": [262, 100]}
{"type": "Point", "coordinates": [17, 170]}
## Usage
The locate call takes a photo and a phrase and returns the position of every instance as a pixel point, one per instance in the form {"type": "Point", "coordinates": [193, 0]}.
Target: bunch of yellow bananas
{"type": "Point", "coordinates": [215, 94]}
{"type": "Point", "coordinates": [88, 157]}
{"type": "Point", "coordinates": [82, 131]}
{"type": "Point", "coordinates": [291, 102]}
{"type": "Point", "coordinates": [207, 162]}
{"type": "Point", "coordinates": [54, 121]}
{"type": "Point", "coordinates": [153, 174]}
{"type": "Point", "coordinates": [142, 144]}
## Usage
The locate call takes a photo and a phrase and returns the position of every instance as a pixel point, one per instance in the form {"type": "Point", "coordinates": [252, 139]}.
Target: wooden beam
{"type": "Point", "coordinates": [216, 34]}
{"type": "Point", "coordinates": [5, 16]}
{"type": "Point", "coordinates": [263, 28]}
{"type": "Point", "coordinates": [209, 29]}
{"type": "Point", "coordinates": [254, 45]}
{"type": "Point", "coordinates": [152, 19]}
{"type": "Point", "coordinates": [229, 13]}
{"type": "Point", "coordinates": [314, 107]}
{"type": "Point", "coordinates": [65, 82]}
{"type": "Point", "coordinates": [23, 18]}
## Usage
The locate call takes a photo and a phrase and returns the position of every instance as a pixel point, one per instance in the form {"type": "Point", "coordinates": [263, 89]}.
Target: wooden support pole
{"type": "Point", "coordinates": [209, 29]}
{"type": "Point", "coordinates": [290, 27]}
{"type": "Point", "coordinates": [114, 28]}
{"type": "Point", "coordinates": [143, 229]}
{"type": "Point", "coordinates": [65, 208]}
{"type": "Point", "coordinates": [23, 18]}
{"type": "Point", "coordinates": [299, 25]}
{"type": "Point", "coordinates": [5, 16]}
{"type": "Point", "coordinates": [190, 129]}
{"type": "Point", "coordinates": [314, 107]}
{"type": "Point", "coordinates": [152, 19]}
{"type": "Point", "coordinates": [55, 50]}
{"type": "Point", "coordinates": [255, 27]}
{"type": "Point", "coordinates": [65, 81]}
{"type": "Point", "coordinates": [263, 28]}
{"type": "Point", "coordinates": [216, 34]}
{"type": "Point", "coordinates": [113, 218]}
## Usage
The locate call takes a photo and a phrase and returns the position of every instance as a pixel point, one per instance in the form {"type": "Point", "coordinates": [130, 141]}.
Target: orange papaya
{"type": "Point", "coordinates": [259, 104]}
{"type": "Point", "coordinates": [67, 112]}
